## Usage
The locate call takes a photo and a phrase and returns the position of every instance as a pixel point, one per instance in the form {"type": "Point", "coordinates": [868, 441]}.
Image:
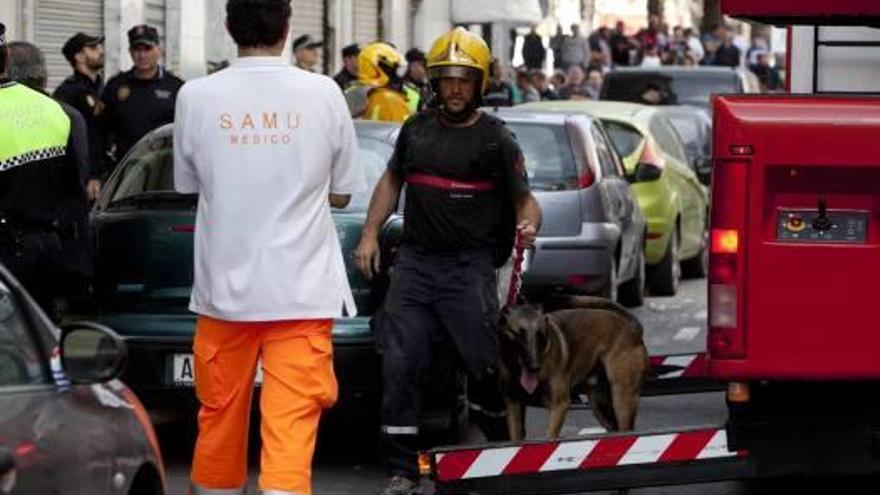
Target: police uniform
{"type": "Point", "coordinates": [460, 222]}
{"type": "Point", "coordinates": [39, 178]}
{"type": "Point", "coordinates": [344, 78]}
{"type": "Point", "coordinates": [133, 106]}
{"type": "Point", "coordinates": [84, 94]}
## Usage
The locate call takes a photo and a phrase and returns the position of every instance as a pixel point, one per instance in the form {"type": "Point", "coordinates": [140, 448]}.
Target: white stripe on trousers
{"type": "Point", "coordinates": [400, 430]}
{"type": "Point", "coordinates": [198, 490]}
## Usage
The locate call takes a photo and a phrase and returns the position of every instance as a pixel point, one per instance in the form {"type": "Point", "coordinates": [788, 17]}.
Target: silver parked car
{"type": "Point", "coordinates": [66, 425]}
{"type": "Point", "coordinates": [593, 232]}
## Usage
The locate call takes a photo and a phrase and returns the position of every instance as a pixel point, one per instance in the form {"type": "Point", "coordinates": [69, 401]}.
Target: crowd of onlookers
{"type": "Point", "coordinates": [581, 62]}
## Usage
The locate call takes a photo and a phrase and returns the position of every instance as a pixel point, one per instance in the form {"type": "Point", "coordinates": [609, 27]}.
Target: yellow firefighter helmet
{"type": "Point", "coordinates": [370, 62]}
{"type": "Point", "coordinates": [460, 53]}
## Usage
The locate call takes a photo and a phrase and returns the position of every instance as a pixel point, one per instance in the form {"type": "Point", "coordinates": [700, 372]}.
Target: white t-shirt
{"type": "Point", "coordinates": [263, 144]}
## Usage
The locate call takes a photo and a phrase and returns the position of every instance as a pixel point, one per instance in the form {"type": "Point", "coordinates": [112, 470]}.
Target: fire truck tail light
{"type": "Point", "coordinates": [722, 306]}
{"type": "Point", "coordinates": [727, 332]}
{"type": "Point", "coordinates": [725, 241]}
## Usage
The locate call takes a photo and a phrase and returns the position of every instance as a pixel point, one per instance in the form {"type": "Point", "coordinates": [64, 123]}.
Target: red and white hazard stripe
{"type": "Point", "coordinates": [680, 366]}
{"type": "Point", "coordinates": [583, 454]}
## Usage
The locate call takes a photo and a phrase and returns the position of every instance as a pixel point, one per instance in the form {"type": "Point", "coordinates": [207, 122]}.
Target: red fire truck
{"type": "Point", "coordinates": [794, 270]}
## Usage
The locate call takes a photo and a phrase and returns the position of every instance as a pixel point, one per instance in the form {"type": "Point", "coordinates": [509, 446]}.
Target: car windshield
{"type": "Point", "coordinates": [548, 155]}
{"type": "Point", "coordinates": [147, 177]}
{"type": "Point", "coordinates": [683, 88]}
{"type": "Point", "coordinates": [373, 155]}
{"type": "Point", "coordinates": [625, 138]}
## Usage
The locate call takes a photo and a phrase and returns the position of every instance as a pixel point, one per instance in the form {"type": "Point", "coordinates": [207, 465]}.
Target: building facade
{"type": "Point", "coordinates": [194, 37]}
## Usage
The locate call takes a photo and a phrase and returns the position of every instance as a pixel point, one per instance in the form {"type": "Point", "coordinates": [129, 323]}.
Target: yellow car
{"type": "Point", "coordinates": [673, 200]}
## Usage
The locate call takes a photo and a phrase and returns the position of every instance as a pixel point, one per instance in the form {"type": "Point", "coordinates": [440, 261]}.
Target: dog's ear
{"type": "Point", "coordinates": [553, 333]}
{"type": "Point", "coordinates": [504, 324]}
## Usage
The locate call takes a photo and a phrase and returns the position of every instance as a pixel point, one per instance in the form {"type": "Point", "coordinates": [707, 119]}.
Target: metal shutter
{"type": "Point", "coordinates": [366, 21]}
{"type": "Point", "coordinates": [156, 15]}
{"type": "Point", "coordinates": [58, 20]}
{"type": "Point", "coordinates": [308, 18]}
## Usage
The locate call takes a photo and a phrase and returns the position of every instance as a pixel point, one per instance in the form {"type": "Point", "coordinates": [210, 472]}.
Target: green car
{"type": "Point", "coordinates": [143, 233]}
{"type": "Point", "coordinates": [673, 200]}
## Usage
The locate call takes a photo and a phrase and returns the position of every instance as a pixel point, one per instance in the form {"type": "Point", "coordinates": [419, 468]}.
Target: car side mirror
{"type": "Point", "coordinates": [7, 470]}
{"type": "Point", "coordinates": [703, 168]}
{"type": "Point", "coordinates": [92, 353]}
{"type": "Point", "coordinates": [645, 172]}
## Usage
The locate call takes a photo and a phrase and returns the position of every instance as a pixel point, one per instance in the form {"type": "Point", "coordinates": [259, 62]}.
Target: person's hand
{"type": "Point", "coordinates": [527, 232]}
{"type": "Point", "coordinates": [93, 189]}
{"type": "Point", "coordinates": [367, 256]}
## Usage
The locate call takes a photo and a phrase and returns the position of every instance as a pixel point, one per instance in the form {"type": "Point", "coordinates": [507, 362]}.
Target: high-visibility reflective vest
{"type": "Point", "coordinates": [33, 127]}
{"type": "Point", "coordinates": [413, 97]}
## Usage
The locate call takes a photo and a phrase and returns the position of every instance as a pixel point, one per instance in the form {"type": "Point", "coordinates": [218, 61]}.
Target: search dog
{"type": "Point", "coordinates": [593, 345]}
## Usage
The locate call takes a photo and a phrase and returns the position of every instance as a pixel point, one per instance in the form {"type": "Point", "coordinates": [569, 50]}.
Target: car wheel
{"type": "Point", "coordinates": [698, 266]}
{"type": "Point", "coordinates": [611, 287]}
{"type": "Point", "coordinates": [665, 276]}
{"type": "Point", "coordinates": [632, 292]}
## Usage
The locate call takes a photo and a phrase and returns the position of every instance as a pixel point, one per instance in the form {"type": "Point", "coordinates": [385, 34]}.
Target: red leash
{"type": "Point", "coordinates": [519, 249]}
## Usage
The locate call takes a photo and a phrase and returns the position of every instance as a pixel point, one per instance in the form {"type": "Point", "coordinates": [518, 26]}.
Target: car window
{"type": "Point", "coordinates": [683, 88]}
{"type": "Point", "coordinates": [625, 138]}
{"type": "Point", "coordinates": [697, 89]}
{"type": "Point", "coordinates": [20, 359]}
{"type": "Point", "coordinates": [549, 158]}
{"type": "Point", "coordinates": [149, 168]}
{"type": "Point", "coordinates": [605, 153]}
{"type": "Point", "coordinates": [667, 139]}
{"type": "Point", "coordinates": [373, 155]}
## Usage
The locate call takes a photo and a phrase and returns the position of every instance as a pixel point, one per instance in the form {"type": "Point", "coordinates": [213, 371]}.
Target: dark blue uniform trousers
{"type": "Point", "coordinates": [437, 299]}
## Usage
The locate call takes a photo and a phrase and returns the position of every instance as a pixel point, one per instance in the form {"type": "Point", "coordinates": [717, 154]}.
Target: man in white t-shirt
{"type": "Point", "coordinates": [268, 148]}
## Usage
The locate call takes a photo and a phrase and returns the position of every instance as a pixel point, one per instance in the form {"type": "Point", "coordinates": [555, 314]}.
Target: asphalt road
{"type": "Point", "coordinates": [346, 462]}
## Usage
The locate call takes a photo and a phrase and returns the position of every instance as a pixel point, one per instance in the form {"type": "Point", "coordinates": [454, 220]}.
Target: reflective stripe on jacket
{"type": "Point", "coordinates": [33, 127]}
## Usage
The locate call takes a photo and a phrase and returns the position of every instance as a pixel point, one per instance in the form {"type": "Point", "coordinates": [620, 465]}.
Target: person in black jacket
{"type": "Point", "coordinates": [348, 75]}
{"type": "Point", "coordinates": [82, 90]}
{"type": "Point", "coordinates": [139, 100]}
{"type": "Point", "coordinates": [533, 50]}
{"type": "Point", "coordinates": [42, 199]}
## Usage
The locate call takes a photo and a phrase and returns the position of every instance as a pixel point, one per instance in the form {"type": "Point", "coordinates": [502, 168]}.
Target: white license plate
{"type": "Point", "coordinates": [184, 370]}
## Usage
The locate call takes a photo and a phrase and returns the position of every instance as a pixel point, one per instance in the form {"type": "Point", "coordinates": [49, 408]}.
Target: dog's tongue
{"type": "Point", "coordinates": [529, 381]}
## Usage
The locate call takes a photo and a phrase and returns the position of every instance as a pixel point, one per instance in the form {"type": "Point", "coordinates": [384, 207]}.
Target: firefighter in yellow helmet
{"type": "Point", "coordinates": [467, 195]}
{"type": "Point", "coordinates": [379, 94]}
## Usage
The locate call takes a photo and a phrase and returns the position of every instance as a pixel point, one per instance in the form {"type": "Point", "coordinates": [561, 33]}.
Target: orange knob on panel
{"type": "Point", "coordinates": [795, 223]}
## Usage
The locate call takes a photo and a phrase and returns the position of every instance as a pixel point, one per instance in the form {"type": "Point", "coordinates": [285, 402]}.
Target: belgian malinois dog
{"type": "Point", "coordinates": [545, 356]}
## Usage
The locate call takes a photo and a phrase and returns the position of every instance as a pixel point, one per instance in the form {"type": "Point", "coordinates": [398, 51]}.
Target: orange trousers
{"type": "Point", "coordinates": [298, 383]}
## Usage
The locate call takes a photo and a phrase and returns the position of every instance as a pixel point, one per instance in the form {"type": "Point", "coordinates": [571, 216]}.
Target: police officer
{"type": "Point", "coordinates": [39, 178]}
{"type": "Point", "coordinates": [139, 100]}
{"type": "Point", "coordinates": [82, 90]}
{"type": "Point", "coordinates": [415, 80]}
{"type": "Point", "coordinates": [27, 66]}
{"type": "Point", "coordinates": [348, 75]}
{"type": "Point", "coordinates": [379, 94]}
{"type": "Point", "coordinates": [467, 195]}
{"type": "Point", "coordinates": [305, 52]}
